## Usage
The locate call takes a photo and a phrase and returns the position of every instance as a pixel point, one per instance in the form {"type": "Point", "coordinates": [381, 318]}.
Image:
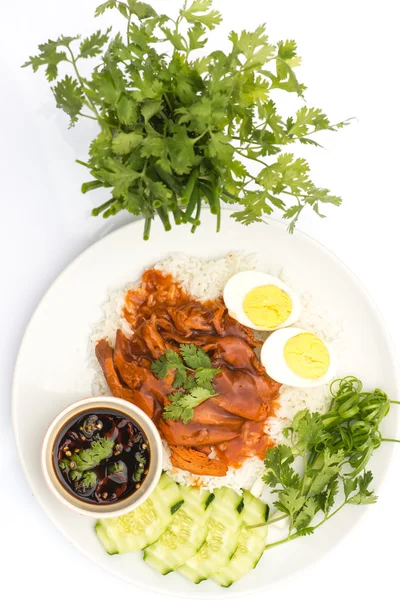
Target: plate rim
{"type": "Point", "coordinates": [136, 223]}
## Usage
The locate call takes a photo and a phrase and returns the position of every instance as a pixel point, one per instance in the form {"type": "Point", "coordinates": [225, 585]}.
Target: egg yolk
{"type": "Point", "coordinates": [267, 306]}
{"type": "Point", "coordinates": [307, 356]}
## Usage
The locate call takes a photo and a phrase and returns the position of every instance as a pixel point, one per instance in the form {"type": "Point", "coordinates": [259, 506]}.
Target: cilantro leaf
{"type": "Point", "coordinates": [69, 97]}
{"type": "Point", "coordinates": [117, 175]}
{"type": "Point", "coordinates": [141, 9]}
{"type": "Point", "coordinates": [196, 37]}
{"type": "Point", "coordinates": [290, 501]}
{"type": "Point", "coordinates": [180, 377]}
{"type": "Point", "coordinates": [308, 428]}
{"type": "Point", "coordinates": [199, 12]}
{"type": "Point", "coordinates": [92, 45]}
{"type": "Point", "coordinates": [349, 486]}
{"type": "Point", "coordinates": [306, 118]}
{"type": "Point", "coordinates": [161, 367]}
{"type": "Point", "coordinates": [306, 514]}
{"type": "Point", "coordinates": [150, 108]}
{"type": "Point", "coordinates": [50, 56]}
{"type": "Point", "coordinates": [305, 531]}
{"type": "Point", "coordinates": [181, 405]}
{"type": "Point", "coordinates": [326, 499]}
{"type": "Point", "coordinates": [77, 466]}
{"type": "Point", "coordinates": [170, 360]}
{"type": "Point", "coordinates": [176, 39]}
{"type": "Point", "coordinates": [195, 357]}
{"type": "Point", "coordinates": [287, 49]}
{"type": "Point", "coordinates": [363, 495]}
{"type": "Point", "coordinates": [100, 10]}
{"type": "Point", "coordinates": [191, 383]}
{"type": "Point", "coordinates": [50, 59]}
{"type": "Point", "coordinates": [205, 375]}
{"type": "Point", "coordinates": [322, 477]}
{"type": "Point", "coordinates": [100, 449]}
{"type": "Point", "coordinates": [127, 110]}
{"type": "Point", "coordinates": [123, 143]}
{"type": "Point", "coordinates": [89, 479]}
{"type": "Point", "coordinates": [278, 468]}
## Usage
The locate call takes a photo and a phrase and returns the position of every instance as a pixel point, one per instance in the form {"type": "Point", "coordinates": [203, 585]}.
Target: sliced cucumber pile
{"type": "Point", "coordinates": [198, 534]}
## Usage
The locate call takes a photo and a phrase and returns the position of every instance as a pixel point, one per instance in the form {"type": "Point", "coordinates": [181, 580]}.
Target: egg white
{"type": "Point", "coordinates": [242, 283]}
{"type": "Point", "coordinates": [272, 357]}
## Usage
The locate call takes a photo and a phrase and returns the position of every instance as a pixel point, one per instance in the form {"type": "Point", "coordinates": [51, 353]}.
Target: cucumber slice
{"type": "Point", "coordinates": [107, 542]}
{"type": "Point", "coordinates": [144, 525]}
{"type": "Point", "coordinates": [184, 535]}
{"type": "Point", "coordinates": [251, 542]}
{"type": "Point", "coordinates": [221, 539]}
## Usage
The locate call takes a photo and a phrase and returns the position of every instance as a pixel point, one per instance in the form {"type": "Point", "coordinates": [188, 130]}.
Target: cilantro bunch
{"type": "Point", "coordinates": [333, 448]}
{"type": "Point", "coordinates": [193, 376]}
{"type": "Point", "coordinates": [181, 129]}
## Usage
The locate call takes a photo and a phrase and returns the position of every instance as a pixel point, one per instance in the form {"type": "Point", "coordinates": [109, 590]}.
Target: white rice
{"type": "Point", "coordinates": [205, 280]}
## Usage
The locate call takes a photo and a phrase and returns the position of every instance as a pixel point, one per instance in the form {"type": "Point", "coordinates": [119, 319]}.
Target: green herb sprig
{"type": "Point", "coordinates": [334, 449]}
{"type": "Point", "coordinates": [193, 375]}
{"type": "Point", "coordinates": [100, 449]}
{"type": "Point", "coordinates": [177, 126]}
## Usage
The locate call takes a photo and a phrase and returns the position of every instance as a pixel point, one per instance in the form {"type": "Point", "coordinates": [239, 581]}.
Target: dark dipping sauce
{"type": "Point", "coordinates": [101, 457]}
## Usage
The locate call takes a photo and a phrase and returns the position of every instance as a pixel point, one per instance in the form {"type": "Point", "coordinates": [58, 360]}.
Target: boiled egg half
{"type": "Point", "coordinates": [261, 301]}
{"type": "Point", "coordinates": [298, 358]}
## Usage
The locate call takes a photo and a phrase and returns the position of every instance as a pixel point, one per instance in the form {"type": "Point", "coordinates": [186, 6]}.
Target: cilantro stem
{"type": "Point", "coordinates": [294, 536]}
{"type": "Point", "coordinates": [280, 542]}
{"type": "Point", "coordinates": [197, 216]}
{"type": "Point", "coordinates": [165, 96]}
{"type": "Point", "coordinates": [218, 204]}
{"type": "Point", "coordinates": [163, 214]}
{"type": "Point", "coordinates": [81, 81]}
{"type": "Point", "coordinates": [394, 402]}
{"type": "Point", "coordinates": [269, 522]}
{"type": "Point", "coordinates": [195, 140]}
{"type": "Point", "coordinates": [87, 116]}
{"type": "Point", "coordinates": [147, 227]}
{"type": "Point", "coordinates": [177, 23]}
{"type": "Point", "coordinates": [251, 157]}
{"type": "Point", "coordinates": [99, 209]}
{"type": "Point", "coordinates": [334, 127]}
{"type": "Point", "coordinates": [178, 216]}
{"type": "Point", "coordinates": [128, 28]}
{"type": "Point", "coordinates": [390, 440]}
{"type": "Point", "coordinates": [249, 143]}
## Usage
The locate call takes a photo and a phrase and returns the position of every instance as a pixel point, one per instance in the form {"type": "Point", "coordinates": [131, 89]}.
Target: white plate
{"type": "Point", "coordinates": [51, 371]}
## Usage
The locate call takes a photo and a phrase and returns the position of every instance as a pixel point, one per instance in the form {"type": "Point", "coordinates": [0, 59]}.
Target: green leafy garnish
{"type": "Point", "coordinates": [100, 449]}
{"type": "Point", "coordinates": [334, 449]}
{"type": "Point", "coordinates": [193, 374]}
{"type": "Point", "coordinates": [170, 360]}
{"type": "Point", "coordinates": [182, 404]}
{"type": "Point", "coordinates": [179, 130]}
{"type": "Point", "coordinates": [89, 479]}
{"type": "Point", "coordinates": [194, 357]}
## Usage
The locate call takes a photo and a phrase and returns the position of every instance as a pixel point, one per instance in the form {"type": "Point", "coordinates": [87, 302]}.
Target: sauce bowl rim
{"type": "Point", "coordinates": [133, 500]}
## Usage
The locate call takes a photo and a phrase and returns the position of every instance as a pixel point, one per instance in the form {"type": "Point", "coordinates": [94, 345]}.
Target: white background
{"type": "Point", "coordinates": [350, 66]}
